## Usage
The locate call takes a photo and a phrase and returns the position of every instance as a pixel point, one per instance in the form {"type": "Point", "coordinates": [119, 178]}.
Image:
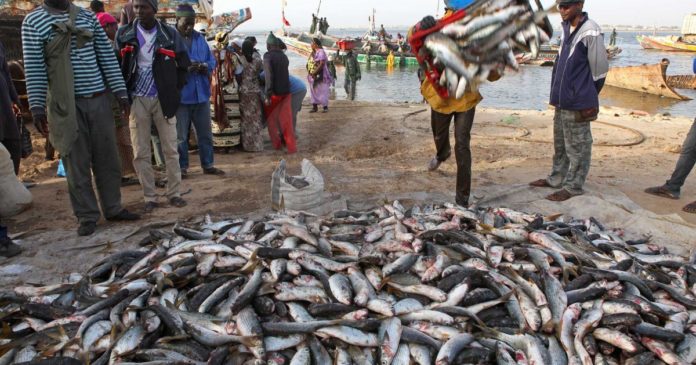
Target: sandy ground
{"type": "Point", "coordinates": [368, 152]}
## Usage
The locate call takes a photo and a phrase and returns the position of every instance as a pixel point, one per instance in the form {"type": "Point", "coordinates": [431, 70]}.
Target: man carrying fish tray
{"type": "Point", "coordinates": [578, 76]}
{"type": "Point", "coordinates": [471, 44]}
{"type": "Point", "coordinates": [462, 110]}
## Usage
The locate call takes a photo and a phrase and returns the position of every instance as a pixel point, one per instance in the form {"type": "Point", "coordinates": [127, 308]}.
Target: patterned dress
{"type": "Point", "coordinates": [250, 104]}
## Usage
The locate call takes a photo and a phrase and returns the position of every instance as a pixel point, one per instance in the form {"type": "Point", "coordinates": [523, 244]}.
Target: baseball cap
{"type": "Point", "coordinates": [568, 2]}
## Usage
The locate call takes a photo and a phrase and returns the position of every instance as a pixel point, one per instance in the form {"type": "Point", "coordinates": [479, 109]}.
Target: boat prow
{"type": "Point", "coordinates": [650, 79]}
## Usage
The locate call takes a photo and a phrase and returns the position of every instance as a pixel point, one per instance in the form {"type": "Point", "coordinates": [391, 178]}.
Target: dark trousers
{"type": "Point", "coordinates": [463, 122]}
{"type": "Point", "coordinates": [14, 146]}
{"type": "Point", "coordinates": [199, 116]}
{"type": "Point", "coordinates": [350, 86]}
{"type": "Point", "coordinates": [686, 162]}
{"type": "Point", "coordinates": [94, 151]}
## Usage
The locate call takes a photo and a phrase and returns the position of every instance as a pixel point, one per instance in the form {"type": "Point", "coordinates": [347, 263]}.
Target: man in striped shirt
{"type": "Point", "coordinates": [70, 65]}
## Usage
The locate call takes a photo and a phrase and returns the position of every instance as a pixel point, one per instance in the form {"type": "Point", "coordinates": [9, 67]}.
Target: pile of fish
{"type": "Point", "coordinates": [468, 51]}
{"type": "Point", "coordinates": [432, 284]}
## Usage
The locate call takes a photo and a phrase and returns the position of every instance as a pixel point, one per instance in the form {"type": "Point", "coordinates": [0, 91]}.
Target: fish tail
{"type": "Point", "coordinates": [486, 228]}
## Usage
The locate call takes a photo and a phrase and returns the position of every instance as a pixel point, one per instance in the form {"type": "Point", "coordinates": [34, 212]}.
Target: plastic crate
{"type": "Point", "coordinates": [345, 44]}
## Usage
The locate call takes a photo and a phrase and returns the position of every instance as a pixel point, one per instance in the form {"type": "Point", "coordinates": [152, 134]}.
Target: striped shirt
{"type": "Point", "coordinates": [91, 64]}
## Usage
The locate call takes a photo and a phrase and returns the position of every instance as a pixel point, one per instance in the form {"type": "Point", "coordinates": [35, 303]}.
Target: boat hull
{"type": "Point", "coordinates": [650, 79]}
{"type": "Point", "coordinates": [669, 43]}
{"type": "Point", "coordinates": [682, 81]}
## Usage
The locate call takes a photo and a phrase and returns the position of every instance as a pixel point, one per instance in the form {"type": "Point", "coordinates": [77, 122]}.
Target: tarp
{"type": "Point", "coordinates": [689, 25]}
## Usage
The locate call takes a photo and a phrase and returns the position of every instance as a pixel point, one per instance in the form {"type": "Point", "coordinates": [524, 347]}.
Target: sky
{"type": "Point", "coordinates": [402, 13]}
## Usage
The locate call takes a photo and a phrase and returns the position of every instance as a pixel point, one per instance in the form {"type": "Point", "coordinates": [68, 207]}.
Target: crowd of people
{"type": "Point", "coordinates": [98, 89]}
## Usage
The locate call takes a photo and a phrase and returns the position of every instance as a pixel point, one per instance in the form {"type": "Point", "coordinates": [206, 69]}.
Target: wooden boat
{"type": "Point", "coordinates": [650, 79]}
{"type": "Point", "coordinates": [670, 43]}
{"type": "Point", "coordinates": [302, 44]}
{"type": "Point", "coordinates": [547, 55]}
{"type": "Point", "coordinates": [682, 81]}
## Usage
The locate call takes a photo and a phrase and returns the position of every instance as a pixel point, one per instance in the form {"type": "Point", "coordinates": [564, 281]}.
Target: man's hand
{"type": "Point", "coordinates": [124, 104]}
{"type": "Point", "coordinates": [41, 124]}
{"type": "Point", "coordinates": [193, 67]}
{"type": "Point", "coordinates": [16, 109]}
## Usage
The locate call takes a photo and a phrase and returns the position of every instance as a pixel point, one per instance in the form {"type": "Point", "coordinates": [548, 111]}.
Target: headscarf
{"type": "Point", "coordinates": [248, 50]}
{"type": "Point", "coordinates": [272, 40]}
{"type": "Point", "coordinates": [105, 19]}
{"type": "Point", "coordinates": [238, 42]}
{"type": "Point", "coordinates": [185, 11]}
{"type": "Point", "coordinates": [317, 42]}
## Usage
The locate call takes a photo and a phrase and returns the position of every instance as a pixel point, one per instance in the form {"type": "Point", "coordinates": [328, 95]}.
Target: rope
{"type": "Point", "coordinates": [638, 137]}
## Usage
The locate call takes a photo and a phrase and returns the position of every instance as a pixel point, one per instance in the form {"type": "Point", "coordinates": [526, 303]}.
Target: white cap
{"type": "Point", "coordinates": [237, 42]}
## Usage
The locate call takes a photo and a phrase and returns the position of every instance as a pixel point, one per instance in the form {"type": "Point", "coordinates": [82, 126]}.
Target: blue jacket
{"type": "Point", "coordinates": [695, 65]}
{"type": "Point", "coordinates": [197, 89]}
{"type": "Point", "coordinates": [580, 68]}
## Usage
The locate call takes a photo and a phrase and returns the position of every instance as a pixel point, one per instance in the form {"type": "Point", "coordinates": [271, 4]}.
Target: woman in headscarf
{"type": "Point", "coordinates": [250, 98]}
{"type": "Point", "coordinates": [319, 77]}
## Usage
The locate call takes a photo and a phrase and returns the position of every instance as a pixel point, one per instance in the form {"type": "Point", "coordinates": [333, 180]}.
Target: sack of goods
{"type": "Point", "coordinates": [465, 47]}
{"type": "Point", "coordinates": [14, 197]}
{"type": "Point", "coordinates": [298, 193]}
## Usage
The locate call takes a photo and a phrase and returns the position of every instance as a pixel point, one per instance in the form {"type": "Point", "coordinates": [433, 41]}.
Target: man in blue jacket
{"type": "Point", "coordinates": [672, 188]}
{"type": "Point", "coordinates": [578, 76]}
{"type": "Point", "coordinates": [195, 97]}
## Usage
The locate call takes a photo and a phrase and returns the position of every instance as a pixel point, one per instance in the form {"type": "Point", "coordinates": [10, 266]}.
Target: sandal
{"type": "Point", "coordinates": [690, 208]}
{"type": "Point", "coordinates": [662, 192]}
{"type": "Point", "coordinates": [559, 196]}
{"type": "Point", "coordinates": [177, 202]}
{"type": "Point", "coordinates": [541, 183]}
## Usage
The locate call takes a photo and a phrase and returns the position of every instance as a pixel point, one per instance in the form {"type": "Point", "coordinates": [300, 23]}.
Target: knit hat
{"type": "Point", "coordinates": [185, 10]}
{"type": "Point", "coordinates": [154, 4]}
{"type": "Point", "coordinates": [106, 18]}
{"type": "Point", "coordinates": [272, 40]}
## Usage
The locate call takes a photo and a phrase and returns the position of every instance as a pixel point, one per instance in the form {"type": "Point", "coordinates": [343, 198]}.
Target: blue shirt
{"type": "Point", "coordinates": [695, 65]}
{"type": "Point", "coordinates": [197, 89]}
{"type": "Point", "coordinates": [297, 85]}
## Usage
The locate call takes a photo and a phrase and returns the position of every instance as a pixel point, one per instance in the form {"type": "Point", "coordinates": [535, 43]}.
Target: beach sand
{"type": "Point", "coordinates": [369, 152]}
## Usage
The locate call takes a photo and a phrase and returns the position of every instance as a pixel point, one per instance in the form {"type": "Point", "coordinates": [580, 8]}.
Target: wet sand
{"type": "Point", "coordinates": [367, 152]}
